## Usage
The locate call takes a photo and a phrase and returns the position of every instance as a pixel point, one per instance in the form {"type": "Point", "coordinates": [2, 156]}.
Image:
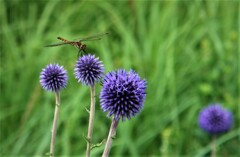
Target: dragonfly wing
{"type": "Point", "coordinates": [59, 44]}
{"type": "Point", "coordinates": [89, 39]}
{"type": "Point", "coordinates": [93, 37]}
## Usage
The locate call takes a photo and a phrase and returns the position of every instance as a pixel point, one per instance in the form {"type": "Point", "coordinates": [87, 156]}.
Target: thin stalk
{"type": "Point", "coordinates": [213, 146]}
{"type": "Point", "coordinates": [54, 126]}
{"type": "Point", "coordinates": [111, 135]}
{"type": "Point", "coordinates": [91, 120]}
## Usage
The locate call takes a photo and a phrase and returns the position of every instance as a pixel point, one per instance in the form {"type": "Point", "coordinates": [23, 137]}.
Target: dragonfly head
{"type": "Point", "coordinates": [83, 47]}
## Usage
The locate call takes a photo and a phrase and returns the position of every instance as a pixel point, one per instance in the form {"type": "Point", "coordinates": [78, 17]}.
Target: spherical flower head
{"type": "Point", "coordinates": [88, 70]}
{"type": "Point", "coordinates": [214, 119]}
{"type": "Point", "coordinates": [123, 94]}
{"type": "Point", "coordinates": [53, 77]}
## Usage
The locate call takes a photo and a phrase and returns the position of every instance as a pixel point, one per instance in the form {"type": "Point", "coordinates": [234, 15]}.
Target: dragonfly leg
{"type": "Point", "coordinates": [84, 50]}
{"type": "Point", "coordinates": [79, 53]}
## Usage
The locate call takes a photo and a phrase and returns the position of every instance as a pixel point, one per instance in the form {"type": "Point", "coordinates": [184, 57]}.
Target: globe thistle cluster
{"type": "Point", "coordinates": [123, 94]}
{"type": "Point", "coordinates": [88, 70]}
{"type": "Point", "coordinates": [53, 77]}
{"type": "Point", "coordinates": [214, 119]}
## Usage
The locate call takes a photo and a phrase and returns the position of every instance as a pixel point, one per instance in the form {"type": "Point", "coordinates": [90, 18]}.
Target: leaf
{"type": "Point", "coordinates": [47, 154]}
{"type": "Point", "coordinates": [98, 144]}
{"type": "Point", "coordinates": [87, 110]}
{"type": "Point", "coordinates": [86, 139]}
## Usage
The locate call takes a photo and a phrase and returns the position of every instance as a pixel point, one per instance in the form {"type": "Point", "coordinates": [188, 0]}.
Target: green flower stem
{"type": "Point", "coordinates": [213, 146]}
{"type": "Point", "coordinates": [54, 127]}
{"type": "Point", "coordinates": [111, 135]}
{"type": "Point", "coordinates": [91, 120]}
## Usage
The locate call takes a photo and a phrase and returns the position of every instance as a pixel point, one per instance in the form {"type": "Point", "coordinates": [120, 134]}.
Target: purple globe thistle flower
{"type": "Point", "coordinates": [123, 94]}
{"type": "Point", "coordinates": [88, 70]}
{"type": "Point", "coordinates": [214, 119]}
{"type": "Point", "coordinates": [53, 77]}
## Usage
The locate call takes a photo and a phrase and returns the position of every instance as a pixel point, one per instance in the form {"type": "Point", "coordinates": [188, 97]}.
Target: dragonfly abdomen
{"type": "Point", "coordinates": [60, 38]}
{"type": "Point", "coordinates": [76, 44]}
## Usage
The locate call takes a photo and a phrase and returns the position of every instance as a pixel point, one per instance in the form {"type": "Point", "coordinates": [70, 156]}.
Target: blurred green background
{"type": "Point", "coordinates": [187, 50]}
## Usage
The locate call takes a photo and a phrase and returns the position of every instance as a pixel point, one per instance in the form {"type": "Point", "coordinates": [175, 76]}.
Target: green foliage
{"type": "Point", "coordinates": [187, 51]}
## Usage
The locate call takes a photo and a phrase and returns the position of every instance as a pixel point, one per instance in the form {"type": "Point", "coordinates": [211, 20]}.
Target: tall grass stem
{"type": "Point", "coordinates": [111, 135]}
{"type": "Point", "coordinates": [213, 146]}
{"type": "Point", "coordinates": [91, 120]}
{"type": "Point", "coordinates": [54, 127]}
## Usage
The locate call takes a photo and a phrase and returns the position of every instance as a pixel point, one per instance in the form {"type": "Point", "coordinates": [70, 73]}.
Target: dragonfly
{"type": "Point", "coordinates": [78, 43]}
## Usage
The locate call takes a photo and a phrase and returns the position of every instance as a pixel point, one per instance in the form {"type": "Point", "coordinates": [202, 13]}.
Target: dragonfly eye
{"type": "Point", "coordinates": [84, 46]}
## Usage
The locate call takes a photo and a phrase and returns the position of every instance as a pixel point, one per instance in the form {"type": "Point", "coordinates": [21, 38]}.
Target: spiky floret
{"type": "Point", "coordinates": [53, 77]}
{"type": "Point", "coordinates": [88, 70]}
{"type": "Point", "coordinates": [214, 119]}
{"type": "Point", "coordinates": [123, 94]}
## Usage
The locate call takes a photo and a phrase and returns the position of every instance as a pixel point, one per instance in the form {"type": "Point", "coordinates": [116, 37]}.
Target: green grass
{"type": "Point", "coordinates": [187, 51]}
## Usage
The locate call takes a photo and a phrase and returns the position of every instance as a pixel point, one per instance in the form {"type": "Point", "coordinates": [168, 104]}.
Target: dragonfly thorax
{"type": "Point", "coordinates": [81, 46]}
